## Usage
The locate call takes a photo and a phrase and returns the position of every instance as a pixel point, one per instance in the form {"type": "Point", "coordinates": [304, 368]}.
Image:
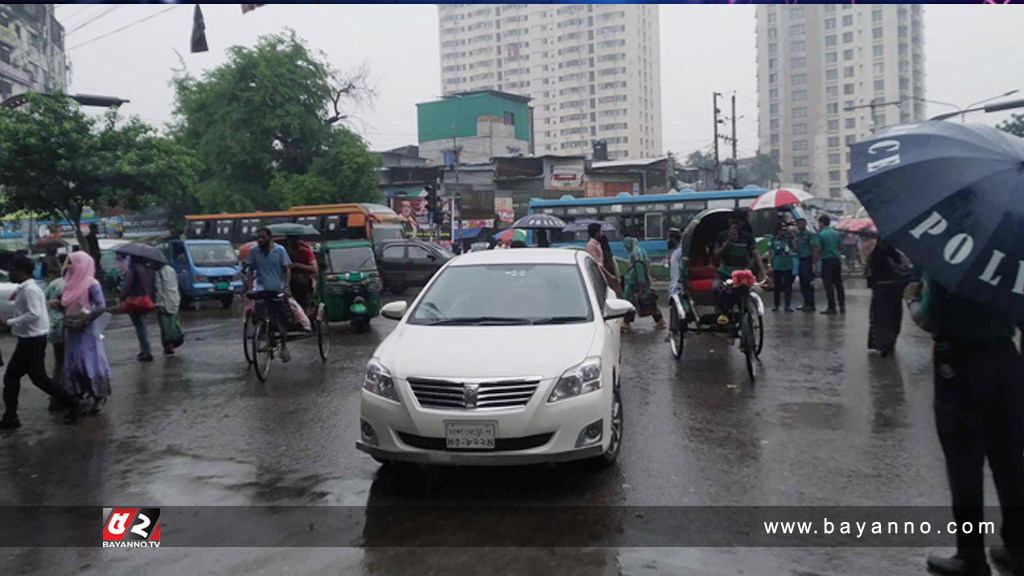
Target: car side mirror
{"type": "Point", "coordinates": [394, 310]}
{"type": "Point", "coordinates": [617, 308]}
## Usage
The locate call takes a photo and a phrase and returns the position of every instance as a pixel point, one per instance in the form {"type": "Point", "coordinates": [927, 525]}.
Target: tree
{"type": "Point", "coordinates": [268, 125]}
{"type": "Point", "coordinates": [763, 172]}
{"type": "Point", "coordinates": [56, 161]}
{"type": "Point", "coordinates": [698, 159]}
{"type": "Point", "coordinates": [1015, 125]}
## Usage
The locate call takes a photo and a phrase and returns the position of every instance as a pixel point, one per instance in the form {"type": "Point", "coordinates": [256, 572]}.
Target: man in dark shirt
{"type": "Point", "coordinates": [92, 245]}
{"type": "Point", "coordinates": [979, 413]}
{"type": "Point", "coordinates": [735, 249]}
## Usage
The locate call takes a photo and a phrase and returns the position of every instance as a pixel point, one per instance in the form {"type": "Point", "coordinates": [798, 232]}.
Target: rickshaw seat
{"type": "Point", "coordinates": [703, 272]}
{"type": "Point", "coordinates": [701, 284]}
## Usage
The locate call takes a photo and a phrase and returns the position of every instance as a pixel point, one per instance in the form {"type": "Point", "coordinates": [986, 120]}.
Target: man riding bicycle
{"type": "Point", "coordinates": [269, 273]}
{"type": "Point", "coordinates": [735, 248]}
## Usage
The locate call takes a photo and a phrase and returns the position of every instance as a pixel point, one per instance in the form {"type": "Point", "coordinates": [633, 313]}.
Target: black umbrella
{"type": "Point", "coordinates": [951, 197]}
{"type": "Point", "coordinates": [539, 222]}
{"type": "Point", "coordinates": [141, 251]}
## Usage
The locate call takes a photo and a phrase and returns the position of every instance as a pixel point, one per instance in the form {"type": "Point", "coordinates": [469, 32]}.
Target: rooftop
{"type": "Point", "coordinates": [628, 163]}
{"type": "Point", "coordinates": [498, 93]}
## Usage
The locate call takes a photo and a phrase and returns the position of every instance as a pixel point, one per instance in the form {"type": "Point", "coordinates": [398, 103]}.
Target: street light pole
{"type": "Point", "coordinates": [963, 112]}
{"type": "Point", "coordinates": [872, 105]}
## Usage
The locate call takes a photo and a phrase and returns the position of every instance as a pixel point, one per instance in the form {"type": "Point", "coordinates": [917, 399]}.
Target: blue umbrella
{"type": "Point", "coordinates": [582, 225]}
{"type": "Point", "coordinates": [951, 197]}
{"type": "Point", "coordinates": [539, 222]}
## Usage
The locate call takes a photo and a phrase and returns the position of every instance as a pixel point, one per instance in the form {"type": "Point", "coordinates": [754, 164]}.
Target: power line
{"type": "Point", "coordinates": [88, 21]}
{"type": "Point", "coordinates": [125, 27]}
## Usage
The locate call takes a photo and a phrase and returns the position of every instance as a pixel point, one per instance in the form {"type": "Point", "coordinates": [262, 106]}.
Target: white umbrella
{"type": "Point", "coordinates": [780, 197]}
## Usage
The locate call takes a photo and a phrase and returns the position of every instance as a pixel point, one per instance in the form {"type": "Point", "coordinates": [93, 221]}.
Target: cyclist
{"type": "Point", "coordinates": [735, 248]}
{"type": "Point", "coordinates": [269, 273]}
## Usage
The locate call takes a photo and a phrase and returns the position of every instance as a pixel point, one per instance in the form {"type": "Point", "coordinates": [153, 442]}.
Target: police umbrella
{"type": "Point", "coordinates": [951, 197]}
{"type": "Point", "coordinates": [539, 222]}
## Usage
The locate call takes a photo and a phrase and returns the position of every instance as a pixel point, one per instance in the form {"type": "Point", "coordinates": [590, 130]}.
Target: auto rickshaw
{"type": "Point", "coordinates": [350, 285]}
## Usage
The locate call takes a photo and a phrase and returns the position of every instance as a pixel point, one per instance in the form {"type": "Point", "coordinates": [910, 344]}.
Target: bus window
{"type": "Point", "coordinates": [631, 226]}
{"type": "Point", "coordinates": [745, 202]}
{"type": "Point", "coordinates": [197, 228]}
{"type": "Point", "coordinates": [652, 226]}
{"type": "Point", "coordinates": [308, 220]}
{"type": "Point", "coordinates": [224, 229]}
{"type": "Point", "coordinates": [729, 203]}
{"type": "Point", "coordinates": [680, 220]}
{"type": "Point", "coordinates": [697, 206]}
{"type": "Point", "coordinates": [247, 228]}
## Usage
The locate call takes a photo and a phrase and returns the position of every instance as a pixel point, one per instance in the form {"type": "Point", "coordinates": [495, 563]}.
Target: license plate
{"type": "Point", "coordinates": [470, 435]}
{"type": "Point", "coordinates": [223, 285]}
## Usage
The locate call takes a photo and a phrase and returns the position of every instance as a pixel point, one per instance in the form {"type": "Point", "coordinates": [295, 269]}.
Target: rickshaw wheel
{"type": "Point", "coordinates": [758, 328]}
{"type": "Point", "coordinates": [322, 327]}
{"type": "Point", "coordinates": [748, 344]}
{"type": "Point", "coordinates": [678, 333]}
{"type": "Point", "coordinates": [247, 337]}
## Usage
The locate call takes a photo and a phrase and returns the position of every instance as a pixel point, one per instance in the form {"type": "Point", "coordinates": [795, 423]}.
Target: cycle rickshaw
{"type": "Point", "coordinates": [261, 339]}
{"type": "Point", "coordinates": [693, 308]}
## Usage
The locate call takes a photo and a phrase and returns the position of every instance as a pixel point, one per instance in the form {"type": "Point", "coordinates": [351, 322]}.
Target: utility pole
{"type": "Point", "coordinates": [714, 102]}
{"type": "Point", "coordinates": [734, 126]}
{"type": "Point", "coordinates": [873, 105]}
{"type": "Point", "coordinates": [455, 195]}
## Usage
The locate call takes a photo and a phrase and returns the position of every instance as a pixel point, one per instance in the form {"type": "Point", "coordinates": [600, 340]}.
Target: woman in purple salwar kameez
{"type": "Point", "coordinates": [86, 370]}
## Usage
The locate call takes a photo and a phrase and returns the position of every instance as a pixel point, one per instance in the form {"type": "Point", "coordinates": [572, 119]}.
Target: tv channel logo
{"type": "Point", "coordinates": [131, 527]}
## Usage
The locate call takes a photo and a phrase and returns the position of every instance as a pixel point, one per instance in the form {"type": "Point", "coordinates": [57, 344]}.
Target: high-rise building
{"type": "Point", "coordinates": [820, 68]}
{"type": "Point", "coordinates": [591, 70]}
{"type": "Point", "coordinates": [31, 50]}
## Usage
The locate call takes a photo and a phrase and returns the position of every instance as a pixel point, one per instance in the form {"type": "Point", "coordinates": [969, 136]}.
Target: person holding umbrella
{"type": "Point", "coordinates": [951, 197]}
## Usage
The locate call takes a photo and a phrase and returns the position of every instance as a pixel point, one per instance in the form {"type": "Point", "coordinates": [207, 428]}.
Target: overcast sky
{"type": "Point", "coordinates": [972, 52]}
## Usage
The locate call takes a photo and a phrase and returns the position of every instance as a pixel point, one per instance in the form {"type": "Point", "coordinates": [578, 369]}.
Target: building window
{"type": "Point", "coordinates": [847, 37]}
{"type": "Point", "coordinates": [799, 79]}
{"type": "Point", "coordinates": [773, 33]}
{"type": "Point", "coordinates": [831, 74]}
{"type": "Point", "coordinates": [774, 123]}
{"type": "Point", "coordinates": [833, 159]}
{"type": "Point", "coordinates": [850, 139]}
{"type": "Point", "coordinates": [771, 17]}
{"type": "Point", "coordinates": [802, 177]}
{"type": "Point", "coordinates": [799, 95]}
{"type": "Point", "coordinates": [830, 8]}
{"type": "Point", "coordinates": [799, 111]}
{"type": "Point", "coordinates": [773, 78]}
{"type": "Point", "coordinates": [876, 33]}
{"type": "Point", "coordinates": [878, 50]}
{"type": "Point", "coordinates": [796, 13]}
{"type": "Point", "coordinates": [879, 85]}
{"type": "Point", "coordinates": [848, 71]}
{"type": "Point", "coordinates": [774, 109]}
{"type": "Point", "coordinates": [833, 125]}
{"type": "Point", "coordinates": [830, 23]}
{"type": "Point", "coordinates": [796, 30]}
{"type": "Point", "coordinates": [799, 145]}
{"type": "Point", "coordinates": [797, 46]}
{"type": "Point", "coordinates": [773, 94]}
{"type": "Point", "coordinates": [799, 62]}
{"type": "Point", "coordinates": [773, 63]}
{"type": "Point", "coordinates": [833, 141]}
{"type": "Point", "coordinates": [773, 49]}
{"type": "Point", "coordinates": [848, 20]}
{"type": "Point", "coordinates": [775, 153]}
{"type": "Point", "coordinates": [799, 161]}
{"type": "Point", "coordinates": [832, 92]}
{"type": "Point", "coordinates": [834, 192]}
{"type": "Point", "coordinates": [800, 128]}
{"type": "Point", "coordinates": [833, 175]}
{"type": "Point", "coordinates": [849, 104]}
{"type": "Point", "coordinates": [876, 15]}
{"type": "Point", "coordinates": [830, 40]}
{"type": "Point", "coordinates": [775, 138]}
{"type": "Point", "coordinates": [879, 68]}
{"type": "Point", "coordinates": [833, 108]}
{"type": "Point", "coordinates": [849, 88]}
{"type": "Point", "coordinates": [830, 57]}
{"type": "Point", "coordinates": [851, 123]}
{"type": "Point", "coordinates": [848, 54]}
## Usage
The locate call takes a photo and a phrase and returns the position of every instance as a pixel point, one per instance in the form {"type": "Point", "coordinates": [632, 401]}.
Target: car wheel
{"type": "Point", "coordinates": [616, 432]}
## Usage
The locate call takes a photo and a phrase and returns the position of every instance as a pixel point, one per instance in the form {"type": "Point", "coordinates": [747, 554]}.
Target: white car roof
{"type": "Point", "coordinates": [518, 256]}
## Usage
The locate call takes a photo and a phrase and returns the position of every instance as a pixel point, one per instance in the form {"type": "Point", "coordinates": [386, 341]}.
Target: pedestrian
{"type": "Point", "coordinates": [86, 370]}
{"type": "Point", "coordinates": [609, 267]}
{"type": "Point", "coordinates": [675, 262]}
{"type": "Point", "coordinates": [593, 246]}
{"type": "Point", "coordinates": [137, 300]}
{"type": "Point", "coordinates": [168, 302]}
{"type": "Point", "coordinates": [30, 325]}
{"type": "Point", "coordinates": [92, 245]}
{"type": "Point", "coordinates": [51, 265]}
{"type": "Point", "coordinates": [782, 249]}
{"type": "Point", "coordinates": [807, 250]}
{"type": "Point", "coordinates": [887, 271]}
{"type": "Point", "coordinates": [831, 267]}
{"type": "Point", "coordinates": [979, 414]}
{"type": "Point", "coordinates": [55, 336]}
{"type": "Point", "coordinates": [270, 274]}
{"type": "Point", "coordinates": [637, 284]}
{"type": "Point", "coordinates": [542, 239]}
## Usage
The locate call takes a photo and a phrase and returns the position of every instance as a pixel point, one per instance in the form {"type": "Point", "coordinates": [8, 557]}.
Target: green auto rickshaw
{"type": "Point", "coordinates": [350, 284]}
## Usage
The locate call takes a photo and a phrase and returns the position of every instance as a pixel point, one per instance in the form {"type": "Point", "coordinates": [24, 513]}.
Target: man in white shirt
{"type": "Point", "coordinates": [30, 324]}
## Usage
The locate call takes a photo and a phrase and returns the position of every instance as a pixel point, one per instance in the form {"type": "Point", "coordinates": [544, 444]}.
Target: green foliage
{"type": "Point", "coordinates": [763, 172]}
{"type": "Point", "coordinates": [264, 125]}
{"type": "Point", "coordinates": [56, 161]}
{"type": "Point", "coordinates": [698, 159]}
{"type": "Point", "coordinates": [1015, 125]}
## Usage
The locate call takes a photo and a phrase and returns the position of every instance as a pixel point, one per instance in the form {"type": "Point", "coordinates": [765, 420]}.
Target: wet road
{"type": "Point", "coordinates": [826, 424]}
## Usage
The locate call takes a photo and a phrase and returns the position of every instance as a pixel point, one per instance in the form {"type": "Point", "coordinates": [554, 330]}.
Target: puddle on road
{"type": "Point", "coordinates": [814, 415]}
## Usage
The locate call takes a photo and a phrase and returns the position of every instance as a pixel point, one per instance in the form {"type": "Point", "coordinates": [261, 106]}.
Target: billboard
{"type": "Point", "coordinates": [566, 176]}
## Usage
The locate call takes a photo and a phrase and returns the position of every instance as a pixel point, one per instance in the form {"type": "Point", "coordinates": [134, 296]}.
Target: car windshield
{"type": "Point", "coordinates": [351, 259]}
{"type": "Point", "coordinates": [213, 254]}
{"type": "Point", "coordinates": [505, 294]}
{"type": "Point", "coordinates": [388, 233]}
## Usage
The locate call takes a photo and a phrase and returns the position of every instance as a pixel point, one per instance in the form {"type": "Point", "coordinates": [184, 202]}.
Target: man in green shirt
{"type": "Point", "coordinates": [979, 413]}
{"type": "Point", "coordinates": [807, 251]}
{"type": "Point", "coordinates": [831, 267]}
{"type": "Point", "coordinates": [782, 266]}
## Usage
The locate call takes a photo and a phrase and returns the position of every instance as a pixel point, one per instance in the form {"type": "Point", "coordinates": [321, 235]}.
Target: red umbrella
{"type": "Point", "coordinates": [780, 197]}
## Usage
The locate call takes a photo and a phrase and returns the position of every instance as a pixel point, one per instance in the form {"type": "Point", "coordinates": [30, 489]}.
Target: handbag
{"type": "Point", "coordinates": [137, 305]}
{"type": "Point", "coordinates": [173, 333]}
{"type": "Point", "coordinates": [647, 303]}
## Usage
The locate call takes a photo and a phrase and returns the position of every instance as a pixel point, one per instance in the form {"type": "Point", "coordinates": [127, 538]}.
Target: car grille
{"type": "Point", "coordinates": [449, 395]}
{"type": "Point", "coordinates": [500, 444]}
{"type": "Point", "coordinates": [216, 279]}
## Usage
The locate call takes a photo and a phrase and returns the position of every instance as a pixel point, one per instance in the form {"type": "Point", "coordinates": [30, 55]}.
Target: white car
{"type": "Point", "coordinates": [7, 288]}
{"type": "Point", "coordinates": [505, 357]}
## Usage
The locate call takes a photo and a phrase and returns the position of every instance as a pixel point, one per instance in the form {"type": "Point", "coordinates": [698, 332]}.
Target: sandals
{"type": "Point", "coordinates": [97, 406]}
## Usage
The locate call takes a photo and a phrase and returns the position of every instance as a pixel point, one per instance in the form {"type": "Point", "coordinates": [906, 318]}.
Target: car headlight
{"type": "Point", "coordinates": [578, 380]}
{"type": "Point", "coordinates": [379, 381]}
{"type": "Point", "coordinates": [202, 278]}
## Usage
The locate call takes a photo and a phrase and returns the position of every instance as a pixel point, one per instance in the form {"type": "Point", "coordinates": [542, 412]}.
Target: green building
{"type": "Point", "coordinates": [476, 125]}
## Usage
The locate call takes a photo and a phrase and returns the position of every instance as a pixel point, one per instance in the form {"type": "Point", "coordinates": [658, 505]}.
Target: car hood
{"type": "Point", "coordinates": [485, 351]}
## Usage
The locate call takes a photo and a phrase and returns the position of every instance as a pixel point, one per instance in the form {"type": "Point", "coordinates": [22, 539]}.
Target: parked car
{"type": "Point", "coordinates": [7, 288]}
{"type": "Point", "coordinates": [477, 373]}
{"type": "Point", "coordinates": [409, 263]}
{"type": "Point", "coordinates": [207, 270]}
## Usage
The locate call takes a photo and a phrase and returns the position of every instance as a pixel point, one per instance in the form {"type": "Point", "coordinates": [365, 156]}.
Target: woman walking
{"type": "Point", "coordinates": [637, 284]}
{"type": "Point", "coordinates": [86, 371]}
{"type": "Point", "coordinates": [887, 271]}
{"type": "Point", "coordinates": [610, 267]}
{"type": "Point", "coordinates": [137, 301]}
{"type": "Point", "coordinates": [168, 301]}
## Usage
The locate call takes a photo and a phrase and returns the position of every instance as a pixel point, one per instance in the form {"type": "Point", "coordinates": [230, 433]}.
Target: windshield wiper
{"type": "Point", "coordinates": [559, 320]}
{"type": "Point", "coordinates": [479, 321]}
